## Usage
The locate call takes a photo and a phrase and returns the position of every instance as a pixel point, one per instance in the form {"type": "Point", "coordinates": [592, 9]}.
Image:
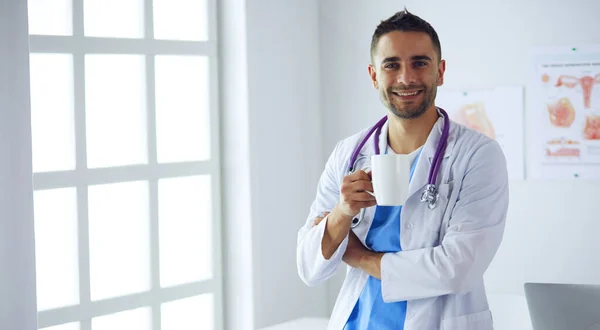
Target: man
{"type": "Point", "coordinates": [409, 267]}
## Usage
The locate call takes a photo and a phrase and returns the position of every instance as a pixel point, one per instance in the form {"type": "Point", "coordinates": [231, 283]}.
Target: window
{"type": "Point", "coordinates": [126, 164]}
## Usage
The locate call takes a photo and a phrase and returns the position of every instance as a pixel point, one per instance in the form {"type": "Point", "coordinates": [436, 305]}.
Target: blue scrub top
{"type": "Point", "coordinates": [370, 311]}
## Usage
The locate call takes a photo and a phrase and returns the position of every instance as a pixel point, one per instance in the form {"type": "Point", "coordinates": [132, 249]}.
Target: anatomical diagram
{"type": "Point", "coordinates": [562, 148]}
{"type": "Point", "coordinates": [561, 113]}
{"type": "Point", "coordinates": [591, 131]}
{"type": "Point", "coordinates": [586, 82]}
{"type": "Point", "coordinates": [545, 78]}
{"type": "Point", "coordinates": [474, 116]}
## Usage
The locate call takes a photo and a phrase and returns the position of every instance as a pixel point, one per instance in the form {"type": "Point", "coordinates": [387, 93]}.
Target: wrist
{"type": "Point", "coordinates": [340, 224]}
{"type": "Point", "coordinates": [339, 217]}
{"type": "Point", "coordinates": [371, 263]}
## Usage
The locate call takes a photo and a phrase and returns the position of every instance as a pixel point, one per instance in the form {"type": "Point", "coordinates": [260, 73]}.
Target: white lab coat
{"type": "Point", "coordinates": [445, 251]}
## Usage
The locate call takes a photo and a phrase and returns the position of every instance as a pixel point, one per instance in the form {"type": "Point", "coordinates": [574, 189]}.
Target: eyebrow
{"type": "Point", "coordinates": [413, 58]}
{"type": "Point", "coordinates": [421, 58]}
{"type": "Point", "coordinates": [391, 59]}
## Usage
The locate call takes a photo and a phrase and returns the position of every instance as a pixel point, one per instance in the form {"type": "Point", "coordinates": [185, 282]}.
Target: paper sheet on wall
{"type": "Point", "coordinates": [565, 109]}
{"type": "Point", "coordinates": [497, 113]}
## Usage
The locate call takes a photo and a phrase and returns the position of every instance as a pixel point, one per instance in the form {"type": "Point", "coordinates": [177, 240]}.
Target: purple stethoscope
{"type": "Point", "coordinates": [430, 193]}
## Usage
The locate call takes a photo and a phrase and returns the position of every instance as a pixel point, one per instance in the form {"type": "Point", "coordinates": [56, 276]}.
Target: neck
{"type": "Point", "coordinates": [407, 135]}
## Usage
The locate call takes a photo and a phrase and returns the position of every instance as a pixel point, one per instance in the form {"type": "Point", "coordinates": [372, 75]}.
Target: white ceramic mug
{"type": "Point", "coordinates": [390, 175]}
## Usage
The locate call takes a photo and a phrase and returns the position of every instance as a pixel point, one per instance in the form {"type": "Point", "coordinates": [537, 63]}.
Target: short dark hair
{"type": "Point", "coordinates": [406, 22]}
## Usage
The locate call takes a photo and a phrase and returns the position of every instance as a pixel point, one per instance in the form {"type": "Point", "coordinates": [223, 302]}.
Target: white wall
{"type": "Point", "coordinates": [271, 156]}
{"type": "Point", "coordinates": [552, 229]}
{"type": "Point", "coordinates": [17, 249]}
{"type": "Point", "coordinates": [235, 159]}
{"type": "Point", "coordinates": [284, 130]}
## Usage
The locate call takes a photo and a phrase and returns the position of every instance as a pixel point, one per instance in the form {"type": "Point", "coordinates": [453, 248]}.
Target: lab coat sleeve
{"type": "Point", "coordinates": [473, 236]}
{"type": "Point", "coordinates": [313, 268]}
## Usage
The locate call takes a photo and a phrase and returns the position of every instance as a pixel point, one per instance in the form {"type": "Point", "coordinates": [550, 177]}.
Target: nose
{"type": "Point", "coordinates": [406, 75]}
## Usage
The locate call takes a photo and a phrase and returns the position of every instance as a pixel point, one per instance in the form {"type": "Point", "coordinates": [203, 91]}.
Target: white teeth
{"type": "Point", "coordinates": [408, 94]}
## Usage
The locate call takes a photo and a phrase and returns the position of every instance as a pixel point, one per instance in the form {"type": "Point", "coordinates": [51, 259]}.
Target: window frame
{"type": "Point", "coordinates": [78, 46]}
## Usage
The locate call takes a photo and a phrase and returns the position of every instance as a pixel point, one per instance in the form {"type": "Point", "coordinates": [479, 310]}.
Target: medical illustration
{"type": "Point", "coordinates": [586, 82]}
{"type": "Point", "coordinates": [473, 116]}
{"type": "Point", "coordinates": [591, 131]}
{"type": "Point", "coordinates": [561, 113]}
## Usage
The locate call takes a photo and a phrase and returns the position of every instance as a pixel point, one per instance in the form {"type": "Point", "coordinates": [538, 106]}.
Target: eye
{"type": "Point", "coordinates": [391, 66]}
{"type": "Point", "coordinates": [420, 64]}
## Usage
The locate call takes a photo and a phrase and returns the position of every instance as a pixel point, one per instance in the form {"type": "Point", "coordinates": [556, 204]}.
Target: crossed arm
{"type": "Point", "coordinates": [357, 255]}
{"type": "Point", "coordinates": [471, 240]}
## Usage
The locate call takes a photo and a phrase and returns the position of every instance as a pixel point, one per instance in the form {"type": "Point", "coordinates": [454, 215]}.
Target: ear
{"type": "Point", "coordinates": [441, 70]}
{"type": "Point", "coordinates": [373, 75]}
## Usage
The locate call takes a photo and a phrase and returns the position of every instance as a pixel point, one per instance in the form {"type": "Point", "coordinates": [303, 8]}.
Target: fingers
{"type": "Point", "coordinates": [362, 197]}
{"type": "Point", "coordinates": [355, 191]}
{"type": "Point", "coordinates": [362, 205]}
{"type": "Point", "coordinates": [358, 175]}
{"type": "Point", "coordinates": [319, 219]}
{"type": "Point", "coordinates": [362, 185]}
{"type": "Point", "coordinates": [353, 196]}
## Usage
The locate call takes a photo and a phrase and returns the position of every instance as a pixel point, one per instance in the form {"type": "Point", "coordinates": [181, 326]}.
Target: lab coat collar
{"type": "Point", "coordinates": [424, 163]}
{"type": "Point", "coordinates": [434, 139]}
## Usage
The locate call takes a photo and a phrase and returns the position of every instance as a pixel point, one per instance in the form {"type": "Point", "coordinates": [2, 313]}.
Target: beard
{"type": "Point", "coordinates": [409, 111]}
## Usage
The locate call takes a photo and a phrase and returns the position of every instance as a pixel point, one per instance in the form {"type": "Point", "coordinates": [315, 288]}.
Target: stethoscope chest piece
{"type": "Point", "coordinates": [430, 196]}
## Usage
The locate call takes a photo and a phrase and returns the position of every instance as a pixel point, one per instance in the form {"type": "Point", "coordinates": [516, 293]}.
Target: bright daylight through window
{"type": "Point", "coordinates": [125, 159]}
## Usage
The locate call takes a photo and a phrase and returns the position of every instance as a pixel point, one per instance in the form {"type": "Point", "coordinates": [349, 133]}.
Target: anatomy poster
{"type": "Point", "coordinates": [565, 105]}
{"type": "Point", "coordinates": [497, 113]}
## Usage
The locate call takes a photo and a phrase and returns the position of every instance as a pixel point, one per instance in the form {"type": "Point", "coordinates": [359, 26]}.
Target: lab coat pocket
{"type": "Point", "coordinates": [433, 218]}
{"type": "Point", "coordinates": [475, 321]}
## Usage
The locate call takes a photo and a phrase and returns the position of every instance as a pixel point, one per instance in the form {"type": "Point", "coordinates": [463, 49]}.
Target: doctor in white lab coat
{"type": "Point", "coordinates": [444, 251]}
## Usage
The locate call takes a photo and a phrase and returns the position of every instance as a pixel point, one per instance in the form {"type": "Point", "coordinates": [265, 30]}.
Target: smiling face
{"type": "Point", "coordinates": [406, 70]}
